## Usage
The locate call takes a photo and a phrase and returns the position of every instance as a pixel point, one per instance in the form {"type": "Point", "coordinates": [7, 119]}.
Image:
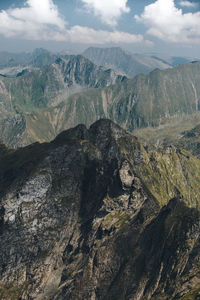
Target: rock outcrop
{"type": "Point", "coordinates": [33, 91]}
{"type": "Point", "coordinates": [144, 101]}
{"type": "Point", "coordinates": [93, 215]}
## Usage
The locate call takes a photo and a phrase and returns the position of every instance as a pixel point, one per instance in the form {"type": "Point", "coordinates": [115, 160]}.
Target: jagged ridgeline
{"type": "Point", "coordinates": [93, 215]}
{"type": "Point", "coordinates": [33, 91]}
{"type": "Point", "coordinates": [37, 106]}
{"type": "Point", "coordinates": [119, 59]}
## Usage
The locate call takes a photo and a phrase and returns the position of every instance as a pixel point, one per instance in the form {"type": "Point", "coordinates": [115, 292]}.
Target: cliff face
{"type": "Point", "coordinates": [93, 215]}
{"type": "Point", "coordinates": [143, 101]}
{"type": "Point", "coordinates": [40, 104]}
{"type": "Point", "coordinates": [54, 82]}
{"type": "Point", "coordinates": [36, 90]}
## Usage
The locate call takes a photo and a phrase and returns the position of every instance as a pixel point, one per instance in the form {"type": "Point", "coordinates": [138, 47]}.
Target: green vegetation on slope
{"type": "Point", "coordinates": [94, 213]}
{"type": "Point", "coordinates": [42, 98]}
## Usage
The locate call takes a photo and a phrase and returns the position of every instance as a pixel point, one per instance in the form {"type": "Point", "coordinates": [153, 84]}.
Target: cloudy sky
{"type": "Point", "coordinates": [166, 26]}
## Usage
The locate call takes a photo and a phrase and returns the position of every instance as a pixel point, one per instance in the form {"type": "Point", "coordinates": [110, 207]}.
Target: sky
{"type": "Point", "coordinates": [168, 27]}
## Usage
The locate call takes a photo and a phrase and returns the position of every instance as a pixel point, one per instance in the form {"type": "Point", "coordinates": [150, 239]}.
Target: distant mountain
{"type": "Point", "coordinates": [38, 58]}
{"type": "Point", "coordinates": [93, 215]}
{"type": "Point", "coordinates": [13, 63]}
{"type": "Point", "coordinates": [173, 60]}
{"type": "Point", "coordinates": [42, 57]}
{"type": "Point", "coordinates": [146, 100]}
{"type": "Point", "coordinates": [121, 60]}
{"type": "Point", "coordinates": [8, 59]}
{"type": "Point", "coordinates": [55, 82]}
{"type": "Point", "coordinates": [46, 104]}
{"type": "Point", "coordinates": [45, 87]}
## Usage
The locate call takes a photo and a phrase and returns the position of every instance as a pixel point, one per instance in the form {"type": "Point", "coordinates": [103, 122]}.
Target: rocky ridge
{"type": "Point", "coordinates": [121, 60]}
{"type": "Point", "coordinates": [39, 105]}
{"type": "Point", "coordinates": [54, 82]}
{"type": "Point", "coordinates": [146, 100]}
{"type": "Point", "coordinates": [93, 215]}
{"type": "Point", "coordinates": [44, 88]}
{"type": "Point", "coordinates": [13, 63]}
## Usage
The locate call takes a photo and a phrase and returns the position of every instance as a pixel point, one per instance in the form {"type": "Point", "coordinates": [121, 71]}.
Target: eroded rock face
{"type": "Point", "coordinates": [81, 218]}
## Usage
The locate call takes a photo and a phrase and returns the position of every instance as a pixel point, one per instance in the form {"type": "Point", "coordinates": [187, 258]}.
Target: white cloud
{"type": "Point", "coordinates": [188, 4]}
{"type": "Point", "coordinates": [169, 23]}
{"type": "Point", "coordinates": [86, 35]}
{"type": "Point", "coordinates": [109, 11]}
{"type": "Point", "coordinates": [40, 20]}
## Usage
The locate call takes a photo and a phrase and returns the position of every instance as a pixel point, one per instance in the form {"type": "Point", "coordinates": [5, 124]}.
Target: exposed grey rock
{"type": "Point", "coordinates": [78, 221]}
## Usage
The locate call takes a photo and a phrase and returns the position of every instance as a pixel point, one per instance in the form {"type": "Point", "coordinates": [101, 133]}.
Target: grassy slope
{"type": "Point", "coordinates": [146, 100]}
{"type": "Point", "coordinates": [164, 175]}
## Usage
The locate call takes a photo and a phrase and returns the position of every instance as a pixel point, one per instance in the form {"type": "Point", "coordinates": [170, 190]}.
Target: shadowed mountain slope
{"type": "Point", "coordinates": [93, 215]}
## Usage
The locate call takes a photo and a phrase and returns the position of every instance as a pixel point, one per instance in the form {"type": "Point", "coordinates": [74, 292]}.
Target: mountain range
{"type": "Point", "coordinates": [116, 58]}
{"type": "Point", "coordinates": [133, 64]}
{"type": "Point", "coordinates": [121, 60]}
{"type": "Point", "coordinates": [93, 215]}
{"type": "Point", "coordinates": [46, 87]}
{"type": "Point", "coordinates": [94, 212]}
{"type": "Point", "coordinates": [39, 103]}
{"type": "Point", "coordinates": [13, 63]}
{"type": "Point", "coordinates": [146, 100]}
{"type": "Point", "coordinates": [8, 59]}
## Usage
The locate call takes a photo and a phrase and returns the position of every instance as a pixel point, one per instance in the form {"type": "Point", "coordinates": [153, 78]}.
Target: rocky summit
{"type": "Point", "coordinates": [93, 215]}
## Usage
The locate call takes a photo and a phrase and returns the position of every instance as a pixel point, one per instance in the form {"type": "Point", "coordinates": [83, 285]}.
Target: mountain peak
{"type": "Point", "coordinates": [39, 51]}
{"type": "Point", "coordinates": [89, 216]}
{"type": "Point", "coordinates": [121, 60]}
{"type": "Point", "coordinates": [79, 132]}
{"type": "Point", "coordinates": [106, 127]}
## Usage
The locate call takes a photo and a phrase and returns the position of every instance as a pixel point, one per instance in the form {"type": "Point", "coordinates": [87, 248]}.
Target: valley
{"type": "Point", "coordinates": [39, 105]}
{"type": "Point", "coordinates": [99, 150]}
{"type": "Point", "coordinates": [99, 181]}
